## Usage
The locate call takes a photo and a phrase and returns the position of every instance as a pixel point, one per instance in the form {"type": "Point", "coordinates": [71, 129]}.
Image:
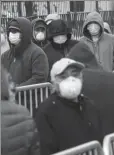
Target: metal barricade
{"type": "Point", "coordinates": [31, 96]}
{"type": "Point", "coordinates": [90, 148]}
{"type": "Point", "coordinates": [108, 144]}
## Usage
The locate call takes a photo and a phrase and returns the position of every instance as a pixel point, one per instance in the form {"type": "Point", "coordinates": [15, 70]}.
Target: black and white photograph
{"type": "Point", "coordinates": [57, 77]}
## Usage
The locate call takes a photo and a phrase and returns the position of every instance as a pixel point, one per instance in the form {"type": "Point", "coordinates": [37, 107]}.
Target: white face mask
{"type": "Point", "coordinates": [3, 40]}
{"type": "Point", "coordinates": [60, 39]}
{"type": "Point", "coordinates": [14, 38]}
{"type": "Point", "coordinates": [94, 29]}
{"type": "Point", "coordinates": [70, 88]}
{"type": "Point", "coordinates": [40, 36]}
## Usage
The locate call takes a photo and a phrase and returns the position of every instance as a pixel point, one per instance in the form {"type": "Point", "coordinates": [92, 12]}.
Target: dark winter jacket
{"type": "Point", "coordinates": [81, 52]}
{"type": "Point", "coordinates": [18, 130]}
{"type": "Point", "coordinates": [41, 24]}
{"type": "Point", "coordinates": [55, 51]}
{"type": "Point", "coordinates": [104, 48]}
{"type": "Point", "coordinates": [26, 63]}
{"type": "Point", "coordinates": [99, 86]}
{"type": "Point", "coordinates": [63, 124]}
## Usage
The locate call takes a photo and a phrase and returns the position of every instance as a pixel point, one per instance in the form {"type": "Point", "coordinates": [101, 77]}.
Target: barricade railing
{"type": "Point", "coordinates": [108, 144]}
{"type": "Point", "coordinates": [90, 148]}
{"type": "Point", "coordinates": [31, 96]}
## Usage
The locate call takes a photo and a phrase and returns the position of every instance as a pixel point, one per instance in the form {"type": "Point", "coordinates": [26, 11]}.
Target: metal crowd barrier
{"type": "Point", "coordinates": [90, 148]}
{"type": "Point", "coordinates": [108, 144]}
{"type": "Point", "coordinates": [31, 96]}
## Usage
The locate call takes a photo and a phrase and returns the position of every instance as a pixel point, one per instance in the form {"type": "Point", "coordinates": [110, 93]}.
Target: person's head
{"type": "Point", "coordinates": [67, 78]}
{"type": "Point", "coordinates": [93, 25]}
{"type": "Point", "coordinates": [7, 86]}
{"type": "Point", "coordinates": [3, 37]}
{"type": "Point", "coordinates": [39, 30]}
{"type": "Point", "coordinates": [58, 32]}
{"type": "Point", "coordinates": [19, 32]}
{"type": "Point", "coordinates": [51, 17]}
{"type": "Point", "coordinates": [107, 28]}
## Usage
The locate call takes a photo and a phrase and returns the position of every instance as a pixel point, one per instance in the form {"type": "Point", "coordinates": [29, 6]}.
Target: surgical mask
{"type": "Point", "coordinates": [94, 29]}
{"type": "Point", "coordinates": [14, 38]}
{"type": "Point", "coordinates": [60, 39]}
{"type": "Point", "coordinates": [40, 36]}
{"type": "Point", "coordinates": [70, 88]}
{"type": "Point", "coordinates": [2, 39]}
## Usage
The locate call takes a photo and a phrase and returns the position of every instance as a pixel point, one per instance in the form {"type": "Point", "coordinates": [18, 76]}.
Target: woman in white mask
{"type": "Point", "coordinates": [67, 118]}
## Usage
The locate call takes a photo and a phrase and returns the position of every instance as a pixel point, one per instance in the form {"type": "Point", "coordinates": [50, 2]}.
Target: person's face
{"type": "Point", "coordinates": [40, 33]}
{"type": "Point", "coordinates": [94, 28]}
{"type": "Point", "coordinates": [14, 36]}
{"type": "Point", "coordinates": [70, 71]}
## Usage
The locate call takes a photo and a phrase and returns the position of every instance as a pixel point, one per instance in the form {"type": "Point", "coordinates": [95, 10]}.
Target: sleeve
{"type": "Point", "coordinates": [48, 143]}
{"type": "Point", "coordinates": [40, 69]}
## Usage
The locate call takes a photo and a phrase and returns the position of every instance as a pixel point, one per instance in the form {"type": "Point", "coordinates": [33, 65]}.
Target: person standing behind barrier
{"type": "Point", "coordinates": [17, 126]}
{"type": "Point", "coordinates": [107, 28]}
{"type": "Point", "coordinates": [39, 32]}
{"type": "Point", "coordinates": [4, 42]}
{"type": "Point", "coordinates": [51, 17]}
{"type": "Point", "coordinates": [59, 35]}
{"type": "Point", "coordinates": [67, 118]}
{"type": "Point", "coordinates": [101, 44]}
{"type": "Point", "coordinates": [81, 52]}
{"type": "Point", "coordinates": [25, 61]}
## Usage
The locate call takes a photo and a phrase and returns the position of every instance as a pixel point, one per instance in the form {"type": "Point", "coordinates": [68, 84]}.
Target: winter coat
{"type": "Point", "coordinates": [81, 52]}
{"type": "Point", "coordinates": [39, 23]}
{"type": "Point", "coordinates": [104, 48]}
{"type": "Point", "coordinates": [99, 86]}
{"type": "Point", "coordinates": [17, 129]}
{"type": "Point", "coordinates": [63, 124]}
{"type": "Point", "coordinates": [26, 63]}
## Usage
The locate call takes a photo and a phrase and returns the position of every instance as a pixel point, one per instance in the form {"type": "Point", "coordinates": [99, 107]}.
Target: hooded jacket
{"type": "Point", "coordinates": [81, 52]}
{"type": "Point", "coordinates": [56, 51]}
{"type": "Point", "coordinates": [26, 62]}
{"type": "Point", "coordinates": [104, 48]}
{"type": "Point", "coordinates": [17, 126]}
{"type": "Point", "coordinates": [63, 124]}
{"type": "Point", "coordinates": [39, 23]}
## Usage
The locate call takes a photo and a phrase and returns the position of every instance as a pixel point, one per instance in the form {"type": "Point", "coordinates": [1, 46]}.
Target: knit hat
{"type": "Point", "coordinates": [51, 17]}
{"type": "Point", "coordinates": [58, 27]}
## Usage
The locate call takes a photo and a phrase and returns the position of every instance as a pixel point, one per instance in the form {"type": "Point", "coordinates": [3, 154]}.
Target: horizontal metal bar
{"type": "Point", "coordinates": [82, 148]}
{"type": "Point", "coordinates": [34, 86]}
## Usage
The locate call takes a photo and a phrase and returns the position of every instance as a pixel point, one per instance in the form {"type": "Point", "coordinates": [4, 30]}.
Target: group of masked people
{"type": "Point", "coordinates": [44, 51]}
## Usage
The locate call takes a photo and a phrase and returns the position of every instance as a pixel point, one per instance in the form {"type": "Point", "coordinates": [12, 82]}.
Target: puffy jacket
{"type": "Point", "coordinates": [104, 48]}
{"type": "Point", "coordinates": [27, 63]}
{"type": "Point", "coordinates": [17, 129]}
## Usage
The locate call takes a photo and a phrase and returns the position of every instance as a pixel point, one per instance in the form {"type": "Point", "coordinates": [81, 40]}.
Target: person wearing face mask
{"type": "Point", "coordinates": [39, 32]}
{"type": "Point", "coordinates": [4, 42]}
{"type": "Point", "coordinates": [100, 43]}
{"type": "Point", "coordinates": [59, 35]}
{"type": "Point", "coordinates": [26, 62]}
{"type": "Point", "coordinates": [67, 118]}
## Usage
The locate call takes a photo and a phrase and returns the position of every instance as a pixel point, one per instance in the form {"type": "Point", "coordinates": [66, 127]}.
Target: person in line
{"type": "Point", "coordinates": [59, 35]}
{"type": "Point", "coordinates": [51, 17]}
{"type": "Point", "coordinates": [67, 118]}
{"type": "Point", "coordinates": [81, 52]}
{"type": "Point", "coordinates": [26, 62]}
{"type": "Point", "coordinates": [107, 28]}
{"type": "Point", "coordinates": [39, 32]}
{"type": "Point", "coordinates": [100, 43]}
{"type": "Point", "coordinates": [4, 42]}
{"type": "Point", "coordinates": [18, 130]}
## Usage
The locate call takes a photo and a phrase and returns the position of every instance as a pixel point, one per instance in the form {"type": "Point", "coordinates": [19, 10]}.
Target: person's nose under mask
{"type": "Point", "coordinates": [60, 39]}
{"type": "Point", "coordinates": [15, 38]}
{"type": "Point", "coordinates": [40, 36]}
{"type": "Point", "coordinates": [70, 88]}
{"type": "Point", "coordinates": [94, 29]}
